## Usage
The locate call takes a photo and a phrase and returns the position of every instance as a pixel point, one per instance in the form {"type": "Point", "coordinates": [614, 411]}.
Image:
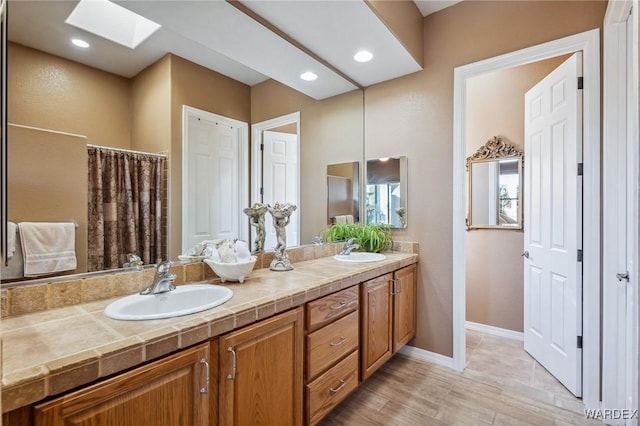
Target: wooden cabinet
{"type": "Point", "coordinates": [169, 392]}
{"type": "Point", "coordinates": [388, 319]}
{"type": "Point", "coordinates": [332, 343]}
{"type": "Point", "coordinates": [261, 379]}
{"type": "Point", "coordinates": [376, 324]}
{"type": "Point", "coordinates": [404, 306]}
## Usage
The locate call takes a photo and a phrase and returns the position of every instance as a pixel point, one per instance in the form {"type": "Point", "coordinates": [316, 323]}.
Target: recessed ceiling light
{"type": "Point", "coordinates": [363, 56]}
{"type": "Point", "coordinates": [308, 76]}
{"type": "Point", "coordinates": [112, 21]}
{"type": "Point", "coordinates": [80, 43]}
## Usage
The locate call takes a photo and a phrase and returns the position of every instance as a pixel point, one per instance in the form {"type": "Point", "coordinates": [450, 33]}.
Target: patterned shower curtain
{"type": "Point", "coordinates": [125, 207]}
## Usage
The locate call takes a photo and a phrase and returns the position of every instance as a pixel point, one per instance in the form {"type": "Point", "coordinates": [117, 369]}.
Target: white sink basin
{"type": "Point", "coordinates": [358, 256]}
{"type": "Point", "coordinates": [184, 300]}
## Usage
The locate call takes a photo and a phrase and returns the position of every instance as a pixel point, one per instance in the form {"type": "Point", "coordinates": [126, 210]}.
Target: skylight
{"type": "Point", "coordinates": [111, 21]}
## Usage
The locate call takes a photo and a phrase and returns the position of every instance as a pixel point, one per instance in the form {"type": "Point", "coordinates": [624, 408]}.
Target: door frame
{"type": "Point", "coordinates": [589, 43]}
{"type": "Point", "coordinates": [243, 164]}
{"type": "Point", "coordinates": [620, 387]}
{"type": "Point", "coordinates": [256, 157]}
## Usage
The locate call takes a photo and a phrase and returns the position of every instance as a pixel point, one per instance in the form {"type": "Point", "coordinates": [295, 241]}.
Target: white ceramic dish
{"type": "Point", "coordinates": [232, 271]}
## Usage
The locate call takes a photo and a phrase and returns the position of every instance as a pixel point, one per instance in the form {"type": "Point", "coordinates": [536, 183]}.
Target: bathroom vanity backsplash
{"type": "Point", "coordinates": [28, 298]}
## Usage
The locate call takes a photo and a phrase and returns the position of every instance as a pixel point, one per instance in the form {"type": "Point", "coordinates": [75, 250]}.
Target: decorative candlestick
{"type": "Point", "coordinates": [256, 219]}
{"type": "Point", "coordinates": [281, 216]}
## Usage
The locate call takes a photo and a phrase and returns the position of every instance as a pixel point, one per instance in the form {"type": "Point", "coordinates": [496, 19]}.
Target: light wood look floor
{"type": "Point", "coordinates": [502, 385]}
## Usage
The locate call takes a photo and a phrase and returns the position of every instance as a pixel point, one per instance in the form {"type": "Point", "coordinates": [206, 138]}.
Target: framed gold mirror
{"type": "Point", "coordinates": [495, 186]}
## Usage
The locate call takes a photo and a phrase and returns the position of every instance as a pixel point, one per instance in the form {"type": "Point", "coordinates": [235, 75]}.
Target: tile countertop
{"type": "Point", "coordinates": [50, 352]}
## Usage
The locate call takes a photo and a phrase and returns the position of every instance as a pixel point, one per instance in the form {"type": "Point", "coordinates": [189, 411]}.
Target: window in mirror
{"type": "Point", "coordinates": [386, 192]}
{"type": "Point", "coordinates": [495, 187]}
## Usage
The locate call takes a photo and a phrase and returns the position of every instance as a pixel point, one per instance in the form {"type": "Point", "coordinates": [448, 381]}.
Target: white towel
{"type": "Point", "coordinates": [12, 230]}
{"type": "Point", "coordinates": [341, 218]}
{"type": "Point", "coordinates": [349, 218]}
{"type": "Point", "coordinates": [47, 247]}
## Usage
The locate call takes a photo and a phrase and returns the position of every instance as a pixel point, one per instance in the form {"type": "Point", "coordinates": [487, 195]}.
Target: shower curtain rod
{"type": "Point", "coordinates": [130, 151]}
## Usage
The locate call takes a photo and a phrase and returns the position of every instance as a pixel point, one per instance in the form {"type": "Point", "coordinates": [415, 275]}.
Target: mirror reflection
{"type": "Point", "coordinates": [495, 187]}
{"type": "Point", "coordinates": [343, 193]}
{"type": "Point", "coordinates": [59, 106]}
{"type": "Point", "coordinates": [386, 192]}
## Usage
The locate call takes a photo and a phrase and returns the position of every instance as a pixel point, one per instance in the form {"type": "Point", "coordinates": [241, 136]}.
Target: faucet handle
{"type": "Point", "coordinates": [163, 268]}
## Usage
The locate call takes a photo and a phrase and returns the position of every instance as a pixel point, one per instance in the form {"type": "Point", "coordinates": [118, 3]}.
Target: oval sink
{"type": "Point", "coordinates": [184, 300]}
{"type": "Point", "coordinates": [358, 256]}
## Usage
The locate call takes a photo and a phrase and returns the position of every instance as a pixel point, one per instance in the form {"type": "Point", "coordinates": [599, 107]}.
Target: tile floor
{"type": "Point", "coordinates": [502, 385]}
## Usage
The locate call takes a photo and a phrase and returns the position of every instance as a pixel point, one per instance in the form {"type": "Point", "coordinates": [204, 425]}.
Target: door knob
{"type": "Point", "coordinates": [624, 276]}
{"type": "Point", "coordinates": [525, 254]}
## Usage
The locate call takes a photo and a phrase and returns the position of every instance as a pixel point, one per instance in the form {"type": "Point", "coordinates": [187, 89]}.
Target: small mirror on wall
{"type": "Point", "coordinates": [495, 186]}
{"type": "Point", "coordinates": [386, 192]}
{"type": "Point", "coordinates": [343, 193]}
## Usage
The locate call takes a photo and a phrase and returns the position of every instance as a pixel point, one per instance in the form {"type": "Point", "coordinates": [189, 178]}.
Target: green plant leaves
{"type": "Point", "coordinates": [371, 238]}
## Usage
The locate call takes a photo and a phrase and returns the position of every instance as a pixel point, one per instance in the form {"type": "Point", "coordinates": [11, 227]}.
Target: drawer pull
{"type": "Point", "coordinates": [338, 306]}
{"type": "Point", "coordinates": [339, 388]}
{"type": "Point", "coordinates": [339, 342]}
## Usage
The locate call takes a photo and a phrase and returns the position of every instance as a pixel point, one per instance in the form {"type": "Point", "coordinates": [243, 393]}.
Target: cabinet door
{"type": "Point", "coordinates": [404, 308]}
{"type": "Point", "coordinates": [261, 372]}
{"type": "Point", "coordinates": [169, 392]}
{"type": "Point", "coordinates": [376, 326]}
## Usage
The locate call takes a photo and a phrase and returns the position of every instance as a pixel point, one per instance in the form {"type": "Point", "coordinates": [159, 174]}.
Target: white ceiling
{"type": "Point", "coordinates": [219, 36]}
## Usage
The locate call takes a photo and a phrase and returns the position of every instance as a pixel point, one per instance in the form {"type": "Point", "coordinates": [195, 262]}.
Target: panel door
{"type": "Point", "coordinates": [553, 224]}
{"type": "Point", "coordinates": [404, 306]}
{"type": "Point", "coordinates": [376, 326]}
{"type": "Point", "coordinates": [280, 181]}
{"type": "Point", "coordinates": [169, 392]}
{"type": "Point", "coordinates": [212, 199]}
{"type": "Point", "coordinates": [261, 372]}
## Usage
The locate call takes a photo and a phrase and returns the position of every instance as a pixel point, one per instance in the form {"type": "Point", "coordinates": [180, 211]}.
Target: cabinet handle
{"type": "Point", "coordinates": [233, 364]}
{"type": "Point", "coordinates": [339, 388]}
{"type": "Point", "coordinates": [205, 389]}
{"type": "Point", "coordinates": [339, 342]}
{"type": "Point", "coordinates": [338, 306]}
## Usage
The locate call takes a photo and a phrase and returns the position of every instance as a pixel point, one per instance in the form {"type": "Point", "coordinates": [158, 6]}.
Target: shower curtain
{"type": "Point", "coordinates": [125, 207]}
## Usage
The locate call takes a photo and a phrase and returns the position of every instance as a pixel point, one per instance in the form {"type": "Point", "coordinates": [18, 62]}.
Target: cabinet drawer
{"type": "Point", "coordinates": [333, 306]}
{"type": "Point", "coordinates": [331, 388]}
{"type": "Point", "coordinates": [330, 343]}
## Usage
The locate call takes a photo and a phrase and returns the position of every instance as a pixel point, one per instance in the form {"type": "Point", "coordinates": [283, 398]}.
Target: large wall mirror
{"type": "Point", "coordinates": [386, 192]}
{"type": "Point", "coordinates": [495, 186]}
{"type": "Point", "coordinates": [143, 112]}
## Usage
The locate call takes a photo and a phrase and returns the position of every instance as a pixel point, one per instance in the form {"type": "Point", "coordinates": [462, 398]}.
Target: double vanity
{"type": "Point", "coordinates": [285, 349]}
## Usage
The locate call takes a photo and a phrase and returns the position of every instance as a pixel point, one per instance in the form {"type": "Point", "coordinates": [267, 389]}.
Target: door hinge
{"type": "Point", "coordinates": [580, 169]}
{"type": "Point", "coordinates": [261, 147]}
{"type": "Point", "coordinates": [579, 342]}
{"type": "Point", "coordinates": [261, 191]}
{"type": "Point", "coordinates": [580, 83]}
{"type": "Point", "coordinates": [579, 255]}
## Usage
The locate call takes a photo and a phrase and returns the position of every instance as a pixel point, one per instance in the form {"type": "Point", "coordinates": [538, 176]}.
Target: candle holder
{"type": "Point", "coordinates": [281, 215]}
{"type": "Point", "coordinates": [256, 219]}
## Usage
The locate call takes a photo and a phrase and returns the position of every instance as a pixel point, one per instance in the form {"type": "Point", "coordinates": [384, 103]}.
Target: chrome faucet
{"type": "Point", "coordinates": [348, 246]}
{"type": "Point", "coordinates": [133, 261]}
{"type": "Point", "coordinates": [162, 280]}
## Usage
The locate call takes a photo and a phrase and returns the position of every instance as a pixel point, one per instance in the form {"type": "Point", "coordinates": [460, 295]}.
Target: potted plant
{"type": "Point", "coordinates": [371, 237]}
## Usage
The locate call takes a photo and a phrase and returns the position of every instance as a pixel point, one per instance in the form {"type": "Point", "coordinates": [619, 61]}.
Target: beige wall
{"type": "Point", "coordinates": [413, 116]}
{"type": "Point", "coordinates": [494, 267]}
{"type": "Point", "coordinates": [53, 93]}
{"type": "Point", "coordinates": [404, 20]}
{"type": "Point", "coordinates": [330, 132]}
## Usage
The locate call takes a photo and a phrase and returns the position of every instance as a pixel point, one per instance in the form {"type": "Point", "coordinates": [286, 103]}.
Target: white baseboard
{"type": "Point", "coordinates": [496, 331]}
{"type": "Point", "coordinates": [432, 357]}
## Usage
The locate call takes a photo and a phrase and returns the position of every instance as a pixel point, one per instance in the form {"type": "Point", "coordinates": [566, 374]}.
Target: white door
{"type": "Point", "coordinates": [211, 179]}
{"type": "Point", "coordinates": [280, 181]}
{"type": "Point", "coordinates": [620, 218]}
{"type": "Point", "coordinates": [553, 224]}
